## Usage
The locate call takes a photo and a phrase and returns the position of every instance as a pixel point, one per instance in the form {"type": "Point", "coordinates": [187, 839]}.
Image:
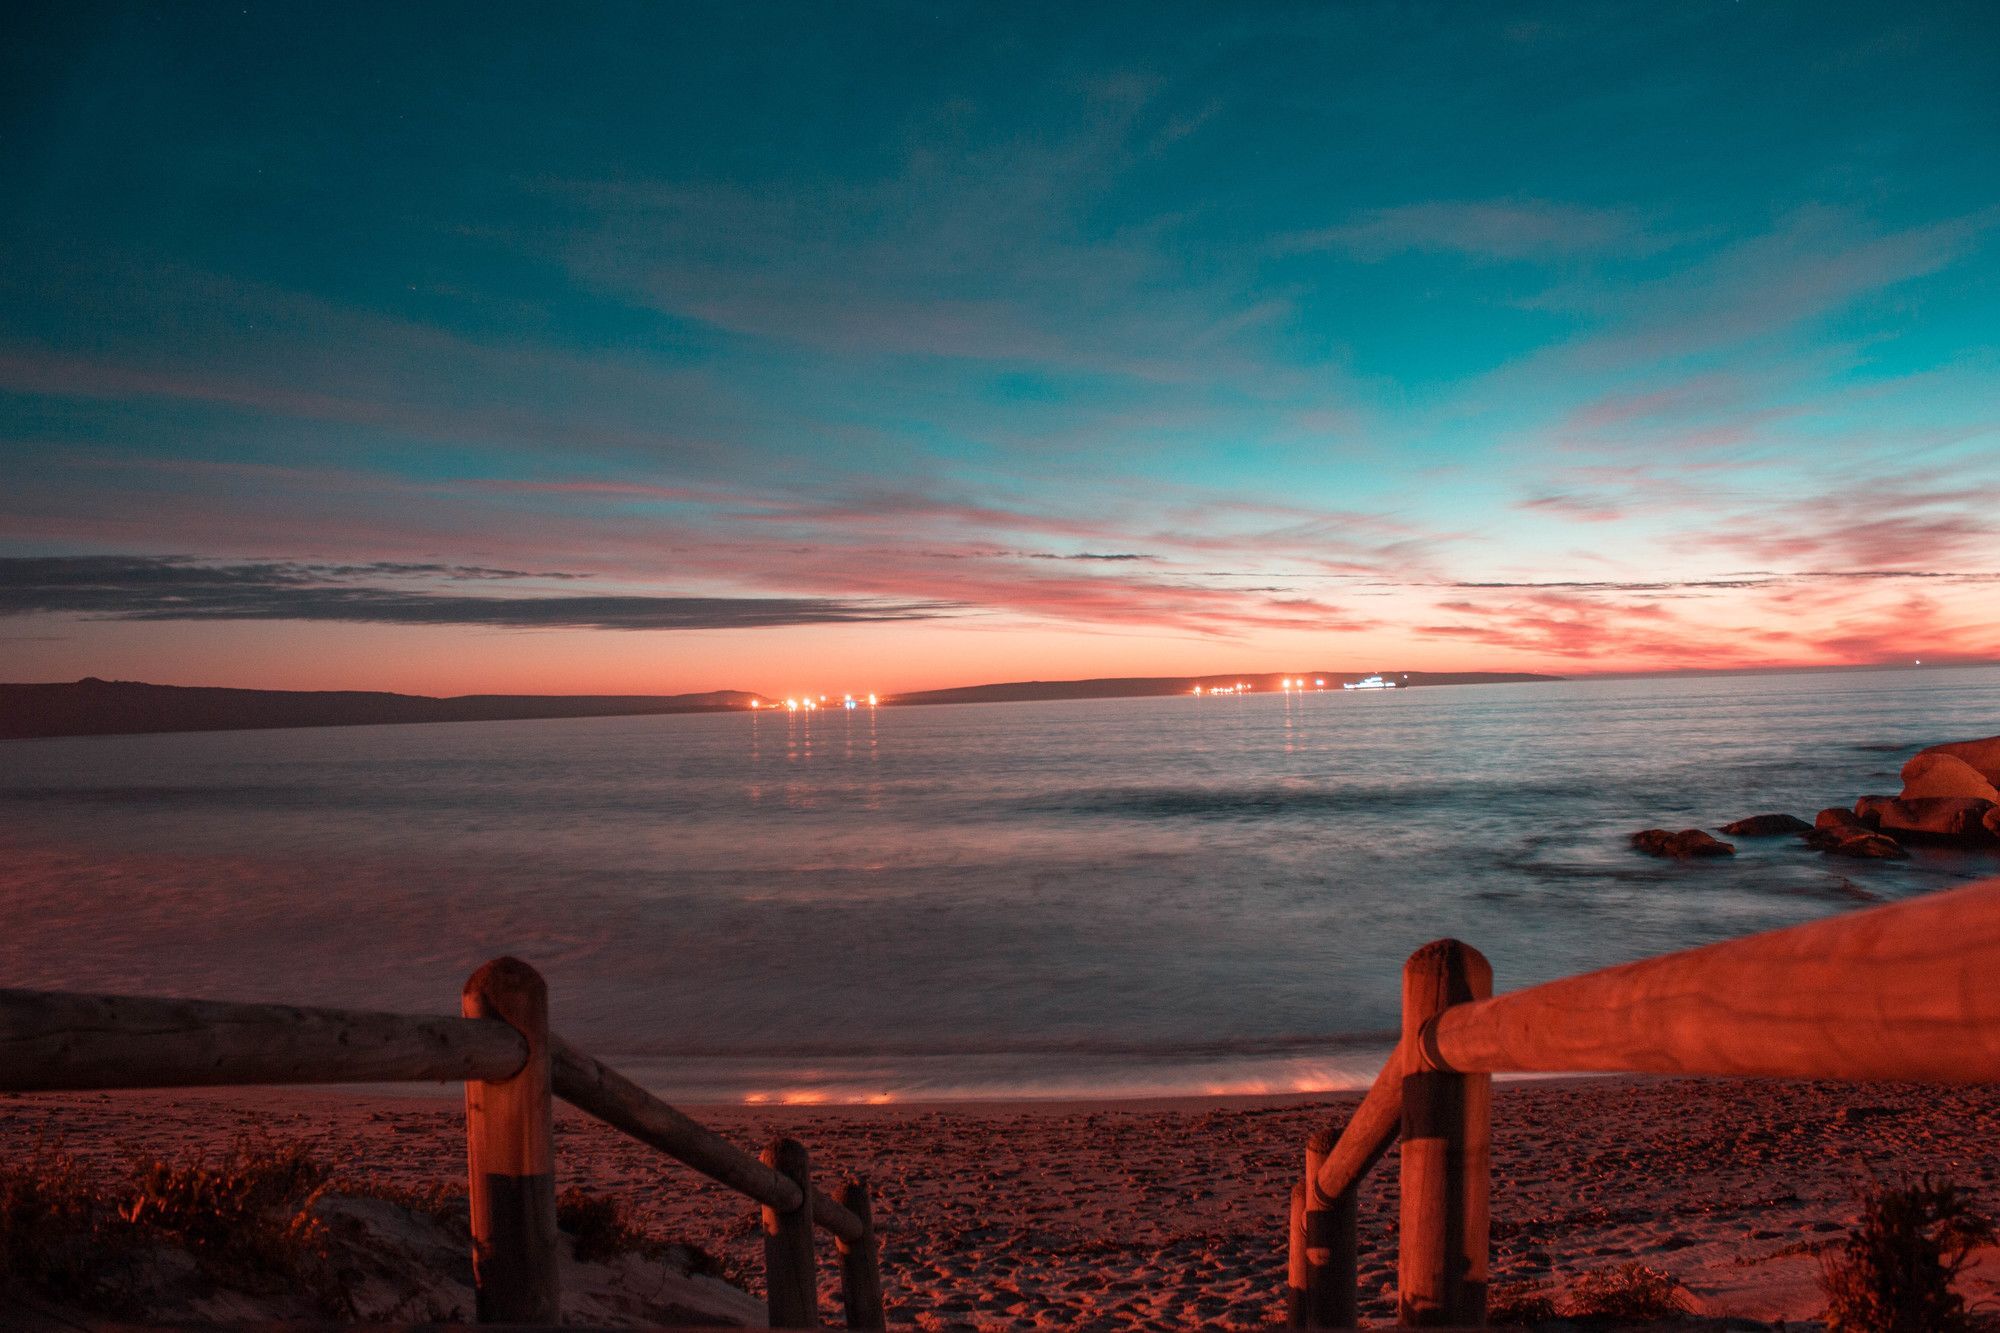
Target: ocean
{"type": "Point", "coordinates": [1146, 897]}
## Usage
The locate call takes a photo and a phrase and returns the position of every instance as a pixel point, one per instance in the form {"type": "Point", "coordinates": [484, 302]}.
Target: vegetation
{"type": "Point", "coordinates": [246, 1222]}
{"type": "Point", "coordinates": [1515, 1303]}
{"type": "Point", "coordinates": [602, 1227]}
{"type": "Point", "coordinates": [1895, 1272]}
{"type": "Point", "coordinates": [1629, 1292]}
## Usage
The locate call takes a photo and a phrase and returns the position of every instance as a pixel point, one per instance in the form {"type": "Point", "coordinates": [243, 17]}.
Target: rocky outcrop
{"type": "Point", "coordinates": [1983, 755]}
{"type": "Point", "coordinates": [1686, 843]}
{"type": "Point", "coordinates": [1869, 809]}
{"type": "Point", "coordinates": [1935, 818]}
{"type": "Point", "coordinates": [1766, 826]}
{"type": "Point", "coordinates": [1842, 833]}
{"type": "Point", "coordinates": [1869, 846]}
{"type": "Point", "coordinates": [1936, 773]}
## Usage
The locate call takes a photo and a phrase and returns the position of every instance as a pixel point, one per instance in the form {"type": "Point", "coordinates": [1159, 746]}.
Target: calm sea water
{"type": "Point", "coordinates": [1097, 898]}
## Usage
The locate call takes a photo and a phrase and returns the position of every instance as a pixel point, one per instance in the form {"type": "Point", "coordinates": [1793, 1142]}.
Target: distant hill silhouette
{"type": "Point", "coordinates": [92, 707]}
{"type": "Point", "coordinates": [1140, 687]}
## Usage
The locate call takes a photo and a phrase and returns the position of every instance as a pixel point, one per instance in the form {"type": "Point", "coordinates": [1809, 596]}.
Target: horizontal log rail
{"type": "Point", "coordinates": [1910, 991]}
{"type": "Point", "coordinates": [58, 1042]}
{"type": "Point", "coordinates": [513, 1068]}
{"type": "Point", "coordinates": [1369, 1133]}
{"type": "Point", "coordinates": [608, 1095]}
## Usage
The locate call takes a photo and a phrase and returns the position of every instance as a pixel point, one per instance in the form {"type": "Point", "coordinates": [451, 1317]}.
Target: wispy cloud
{"type": "Point", "coordinates": [167, 588]}
{"type": "Point", "coordinates": [1486, 229]}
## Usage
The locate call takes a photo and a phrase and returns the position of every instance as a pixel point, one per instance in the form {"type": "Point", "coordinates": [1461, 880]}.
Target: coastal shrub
{"type": "Point", "coordinates": [1515, 1303]}
{"type": "Point", "coordinates": [1629, 1291]}
{"type": "Point", "coordinates": [247, 1219]}
{"type": "Point", "coordinates": [53, 1241]}
{"type": "Point", "coordinates": [1895, 1272]}
{"type": "Point", "coordinates": [602, 1227]}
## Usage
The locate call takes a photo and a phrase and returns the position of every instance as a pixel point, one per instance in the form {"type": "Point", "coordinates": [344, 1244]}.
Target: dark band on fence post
{"type": "Point", "coordinates": [1332, 1243]}
{"type": "Point", "coordinates": [510, 1157]}
{"type": "Point", "coordinates": [1295, 1260]}
{"type": "Point", "coordinates": [792, 1285]}
{"type": "Point", "coordinates": [861, 1262]}
{"type": "Point", "coordinates": [1441, 1266]}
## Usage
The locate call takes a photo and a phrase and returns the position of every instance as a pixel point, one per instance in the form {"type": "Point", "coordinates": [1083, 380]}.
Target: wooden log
{"type": "Point", "coordinates": [791, 1283]}
{"type": "Point", "coordinates": [1908, 991]}
{"type": "Point", "coordinates": [1441, 1260]}
{"type": "Point", "coordinates": [1332, 1243]}
{"type": "Point", "coordinates": [510, 1156]}
{"type": "Point", "coordinates": [599, 1090]}
{"type": "Point", "coordinates": [861, 1263]}
{"type": "Point", "coordinates": [52, 1041]}
{"type": "Point", "coordinates": [1369, 1132]}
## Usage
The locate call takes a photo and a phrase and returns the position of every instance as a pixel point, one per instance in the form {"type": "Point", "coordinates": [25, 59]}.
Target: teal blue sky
{"type": "Point", "coordinates": [618, 346]}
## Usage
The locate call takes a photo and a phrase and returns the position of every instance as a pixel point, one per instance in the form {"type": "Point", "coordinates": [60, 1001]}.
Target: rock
{"type": "Point", "coordinates": [1991, 819]}
{"type": "Point", "coordinates": [1688, 842]}
{"type": "Point", "coordinates": [1844, 835]}
{"type": "Point", "coordinates": [1767, 826]}
{"type": "Point", "coordinates": [1935, 773]}
{"type": "Point", "coordinates": [1938, 818]}
{"type": "Point", "coordinates": [1982, 755]}
{"type": "Point", "coordinates": [1869, 809]}
{"type": "Point", "coordinates": [1876, 846]}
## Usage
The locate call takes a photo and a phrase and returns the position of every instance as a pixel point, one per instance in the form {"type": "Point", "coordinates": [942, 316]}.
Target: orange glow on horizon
{"type": "Point", "coordinates": [1857, 627]}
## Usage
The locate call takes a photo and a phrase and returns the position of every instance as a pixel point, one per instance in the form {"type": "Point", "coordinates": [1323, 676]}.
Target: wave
{"type": "Point", "coordinates": [274, 797]}
{"type": "Point", "coordinates": [1270, 801]}
{"type": "Point", "coordinates": [977, 1048]}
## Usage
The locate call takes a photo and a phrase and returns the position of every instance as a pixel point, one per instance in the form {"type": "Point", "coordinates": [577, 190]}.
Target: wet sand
{"type": "Point", "coordinates": [1117, 1215]}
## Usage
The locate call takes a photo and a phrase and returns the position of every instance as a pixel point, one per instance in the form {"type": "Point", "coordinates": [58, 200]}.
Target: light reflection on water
{"type": "Point", "coordinates": [1129, 897]}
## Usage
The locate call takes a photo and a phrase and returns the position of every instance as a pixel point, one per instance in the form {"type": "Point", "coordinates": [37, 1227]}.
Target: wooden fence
{"type": "Point", "coordinates": [1909, 991]}
{"type": "Point", "coordinates": [513, 1068]}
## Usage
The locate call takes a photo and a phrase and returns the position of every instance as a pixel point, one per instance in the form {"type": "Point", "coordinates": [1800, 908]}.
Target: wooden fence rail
{"type": "Point", "coordinates": [1909, 991]}
{"type": "Point", "coordinates": [513, 1069]}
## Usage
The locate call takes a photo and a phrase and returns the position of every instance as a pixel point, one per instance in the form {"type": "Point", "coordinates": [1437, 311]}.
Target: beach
{"type": "Point", "coordinates": [1140, 1213]}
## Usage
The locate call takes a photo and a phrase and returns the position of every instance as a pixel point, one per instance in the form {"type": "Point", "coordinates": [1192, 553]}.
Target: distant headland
{"type": "Point", "coordinates": [1143, 687]}
{"type": "Point", "coordinates": [93, 707]}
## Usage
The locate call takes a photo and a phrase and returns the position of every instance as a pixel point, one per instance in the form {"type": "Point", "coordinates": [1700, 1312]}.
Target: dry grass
{"type": "Point", "coordinates": [52, 1228]}
{"type": "Point", "coordinates": [1630, 1293]}
{"type": "Point", "coordinates": [1516, 1303]}
{"type": "Point", "coordinates": [246, 1222]}
{"type": "Point", "coordinates": [602, 1228]}
{"type": "Point", "coordinates": [1895, 1273]}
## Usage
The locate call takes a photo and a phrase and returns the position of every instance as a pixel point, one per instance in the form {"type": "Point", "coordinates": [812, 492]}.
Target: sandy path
{"type": "Point", "coordinates": [1118, 1215]}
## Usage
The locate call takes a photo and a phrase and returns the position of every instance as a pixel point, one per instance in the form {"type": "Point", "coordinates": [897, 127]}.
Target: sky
{"type": "Point", "coordinates": [650, 348]}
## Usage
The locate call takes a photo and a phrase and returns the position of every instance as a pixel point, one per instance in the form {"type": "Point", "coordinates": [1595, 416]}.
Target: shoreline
{"type": "Point", "coordinates": [1125, 1213]}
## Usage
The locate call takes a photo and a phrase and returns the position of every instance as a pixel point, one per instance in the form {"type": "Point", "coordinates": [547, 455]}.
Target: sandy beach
{"type": "Point", "coordinates": [1130, 1214]}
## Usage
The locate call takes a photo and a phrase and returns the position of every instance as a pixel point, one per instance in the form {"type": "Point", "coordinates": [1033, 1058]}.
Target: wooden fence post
{"type": "Point", "coordinates": [789, 1278]}
{"type": "Point", "coordinates": [1446, 1153]}
{"type": "Point", "coordinates": [1332, 1243]}
{"type": "Point", "coordinates": [1295, 1261]}
{"type": "Point", "coordinates": [861, 1262]}
{"type": "Point", "coordinates": [510, 1157]}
